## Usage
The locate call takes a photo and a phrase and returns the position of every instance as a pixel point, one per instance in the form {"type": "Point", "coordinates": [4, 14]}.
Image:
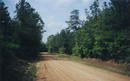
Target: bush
{"type": "Point", "coordinates": [18, 70]}
{"type": "Point", "coordinates": [61, 50]}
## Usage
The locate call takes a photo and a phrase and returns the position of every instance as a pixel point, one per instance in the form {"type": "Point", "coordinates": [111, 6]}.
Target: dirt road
{"type": "Point", "coordinates": [56, 69]}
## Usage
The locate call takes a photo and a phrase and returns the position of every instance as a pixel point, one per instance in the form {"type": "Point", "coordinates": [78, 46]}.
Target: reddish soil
{"type": "Point", "coordinates": [53, 68]}
{"type": "Point", "coordinates": [111, 64]}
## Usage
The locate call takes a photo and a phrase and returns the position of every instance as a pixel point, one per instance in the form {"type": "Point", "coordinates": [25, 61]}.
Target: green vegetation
{"type": "Point", "coordinates": [105, 34]}
{"type": "Point", "coordinates": [20, 42]}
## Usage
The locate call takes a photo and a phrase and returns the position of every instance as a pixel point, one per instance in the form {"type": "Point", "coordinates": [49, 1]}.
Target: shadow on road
{"type": "Point", "coordinates": [47, 56]}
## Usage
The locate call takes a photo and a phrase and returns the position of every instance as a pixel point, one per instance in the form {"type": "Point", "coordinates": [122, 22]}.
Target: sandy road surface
{"type": "Point", "coordinates": [55, 69]}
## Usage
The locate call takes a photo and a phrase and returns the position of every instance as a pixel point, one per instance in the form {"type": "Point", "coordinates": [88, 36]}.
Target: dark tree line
{"type": "Point", "coordinates": [61, 42]}
{"type": "Point", "coordinates": [20, 42]}
{"type": "Point", "coordinates": [105, 34]}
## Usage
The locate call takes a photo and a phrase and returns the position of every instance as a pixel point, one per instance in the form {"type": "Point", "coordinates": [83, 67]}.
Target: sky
{"type": "Point", "coordinates": [54, 13]}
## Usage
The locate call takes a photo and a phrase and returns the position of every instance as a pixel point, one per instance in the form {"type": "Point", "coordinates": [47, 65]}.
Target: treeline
{"type": "Point", "coordinates": [105, 34]}
{"type": "Point", "coordinates": [20, 42]}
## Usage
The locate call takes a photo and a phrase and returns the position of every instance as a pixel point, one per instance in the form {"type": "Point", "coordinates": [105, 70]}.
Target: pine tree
{"type": "Point", "coordinates": [74, 22]}
{"type": "Point", "coordinates": [31, 29]}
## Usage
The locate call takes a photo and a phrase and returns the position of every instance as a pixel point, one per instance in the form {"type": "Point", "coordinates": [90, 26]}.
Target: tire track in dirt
{"type": "Point", "coordinates": [54, 69]}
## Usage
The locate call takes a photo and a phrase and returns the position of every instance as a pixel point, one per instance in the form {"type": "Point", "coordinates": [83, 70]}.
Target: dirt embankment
{"type": "Point", "coordinates": [53, 68]}
{"type": "Point", "coordinates": [122, 68]}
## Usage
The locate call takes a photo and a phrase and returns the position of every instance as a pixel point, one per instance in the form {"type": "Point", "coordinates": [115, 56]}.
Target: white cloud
{"type": "Point", "coordinates": [55, 3]}
{"type": "Point", "coordinates": [53, 28]}
{"type": "Point", "coordinates": [86, 1]}
{"type": "Point", "coordinates": [59, 3]}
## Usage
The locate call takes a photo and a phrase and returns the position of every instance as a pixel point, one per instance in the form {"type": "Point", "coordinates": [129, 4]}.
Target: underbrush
{"type": "Point", "coordinates": [18, 70]}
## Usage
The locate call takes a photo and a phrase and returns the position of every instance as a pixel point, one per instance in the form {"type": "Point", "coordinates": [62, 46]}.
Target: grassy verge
{"type": "Point", "coordinates": [111, 69]}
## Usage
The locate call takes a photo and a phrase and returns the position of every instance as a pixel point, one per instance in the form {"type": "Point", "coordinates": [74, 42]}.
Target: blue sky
{"type": "Point", "coordinates": [54, 12]}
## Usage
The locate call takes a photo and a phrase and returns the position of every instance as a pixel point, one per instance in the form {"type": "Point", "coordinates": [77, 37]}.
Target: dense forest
{"type": "Point", "coordinates": [20, 42]}
{"type": "Point", "coordinates": [105, 34]}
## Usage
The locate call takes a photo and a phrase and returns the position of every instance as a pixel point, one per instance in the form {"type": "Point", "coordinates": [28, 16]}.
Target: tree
{"type": "Point", "coordinates": [31, 29]}
{"type": "Point", "coordinates": [43, 47]}
{"type": "Point", "coordinates": [87, 14]}
{"type": "Point", "coordinates": [95, 9]}
{"type": "Point", "coordinates": [14, 36]}
{"type": "Point", "coordinates": [105, 34]}
{"type": "Point", "coordinates": [50, 43]}
{"type": "Point", "coordinates": [75, 22]}
{"type": "Point", "coordinates": [12, 67]}
{"type": "Point", "coordinates": [4, 36]}
{"type": "Point", "coordinates": [122, 11]}
{"type": "Point", "coordinates": [61, 42]}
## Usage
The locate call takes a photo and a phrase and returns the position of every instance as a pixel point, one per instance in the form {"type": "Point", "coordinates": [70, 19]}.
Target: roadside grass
{"type": "Point", "coordinates": [111, 69]}
{"type": "Point", "coordinates": [33, 70]}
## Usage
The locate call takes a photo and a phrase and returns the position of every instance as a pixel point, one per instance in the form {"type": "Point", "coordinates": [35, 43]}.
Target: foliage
{"type": "Point", "coordinates": [61, 41]}
{"type": "Point", "coordinates": [74, 22]}
{"type": "Point", "coordinates": [105, 34]}
{"type": "Point", "coordinates": [43, 47]}
{"type": "Point", "coordinates": [30, 30]}
{"type": "Point", "coordinates": [61, 50]}
{"type": "Point", "coordinates": [20, 42]}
